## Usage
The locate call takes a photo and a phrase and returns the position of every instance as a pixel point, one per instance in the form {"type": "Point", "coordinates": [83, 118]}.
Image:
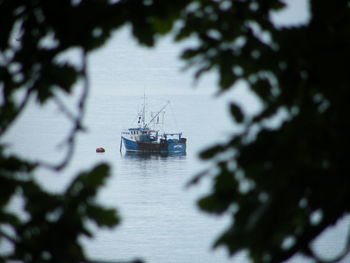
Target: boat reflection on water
{"type": "Point", "coordinates": [153, 156]}
{"type": "Point", "coordinates": [154, 164]}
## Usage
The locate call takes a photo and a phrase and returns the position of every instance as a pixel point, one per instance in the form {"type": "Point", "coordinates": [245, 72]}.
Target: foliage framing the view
{"type": "Point", "coordinates": [34, 35]}
{"type": "Point", "coordinates": [272, 181]}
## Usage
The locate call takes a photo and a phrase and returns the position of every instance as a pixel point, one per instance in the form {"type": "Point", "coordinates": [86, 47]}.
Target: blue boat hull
{"type": "Point", "coordinates": [130, 146]}
{"type": "Point", "coordinates": [168, 147]}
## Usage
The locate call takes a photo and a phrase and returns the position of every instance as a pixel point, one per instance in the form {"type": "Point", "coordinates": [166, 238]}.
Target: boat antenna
{"type": "Point", "coordinates": [144, 109]}
{"type": "Point", "coordinates": [155, 116]}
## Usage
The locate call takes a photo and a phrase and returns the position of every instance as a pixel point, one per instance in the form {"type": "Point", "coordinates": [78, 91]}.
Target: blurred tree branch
{"type": "Point", "coordinates": [271, 181]}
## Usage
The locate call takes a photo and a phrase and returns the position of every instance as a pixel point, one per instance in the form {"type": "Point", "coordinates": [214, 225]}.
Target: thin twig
{"type": "Point", "coordinates": [77, 126]}
{"type": "Point", "coordinates": [62, 107]}
{"type": "Point", "coordinates": [8, 237]}
{"type": "Point", "coordinates": [110, 261]}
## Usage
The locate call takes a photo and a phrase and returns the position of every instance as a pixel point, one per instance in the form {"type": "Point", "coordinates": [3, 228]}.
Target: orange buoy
{"type": "Point", "coordinates": [100, 150]}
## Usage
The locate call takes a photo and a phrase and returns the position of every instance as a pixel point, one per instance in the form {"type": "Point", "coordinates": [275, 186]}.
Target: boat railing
{"type": "Point", "coordinates": [171, 136]}
{"type": "Point", "coordinates": [125, 132]}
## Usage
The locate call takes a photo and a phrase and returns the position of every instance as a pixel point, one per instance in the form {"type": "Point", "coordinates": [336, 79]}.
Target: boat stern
{"type": "Point", "coordinates": [176, 146]}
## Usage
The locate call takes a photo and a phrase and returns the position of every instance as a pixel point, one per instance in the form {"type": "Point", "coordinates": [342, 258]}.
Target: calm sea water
{"type": "Point", "coordinates": [160, 220]}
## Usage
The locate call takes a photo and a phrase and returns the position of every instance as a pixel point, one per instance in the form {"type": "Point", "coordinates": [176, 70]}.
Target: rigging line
{"type": "Point", "coordinates": [175, 120]}
{"type": "Point", "coordinates": [158, 113]}
{"type": "Point", "coordinates": [134, 120]}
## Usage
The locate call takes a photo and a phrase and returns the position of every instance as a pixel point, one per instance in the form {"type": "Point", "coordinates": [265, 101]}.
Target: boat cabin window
{"type": "Point", "coordinates": [136, 132]}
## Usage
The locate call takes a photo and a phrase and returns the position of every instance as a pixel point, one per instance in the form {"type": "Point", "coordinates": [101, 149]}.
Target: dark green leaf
{"type": "Point", "coordinates": [236, 113]}
{"type": "Point", "coordinates": [102, 216]}
{"type": "Point", "coordinates": [212, 151]}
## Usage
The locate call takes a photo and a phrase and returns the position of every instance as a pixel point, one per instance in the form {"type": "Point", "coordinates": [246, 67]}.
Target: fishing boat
{"type": "Point", "coordinates": [147, 138]}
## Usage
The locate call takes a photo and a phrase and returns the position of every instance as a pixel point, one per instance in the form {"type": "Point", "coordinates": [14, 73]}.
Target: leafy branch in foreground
{"type": "Point", "coordinates": [55, 221]}
{"type": "Point", "coordinates": [34, 38]}
{"type": "Point", "coordinates": [282, 186]}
